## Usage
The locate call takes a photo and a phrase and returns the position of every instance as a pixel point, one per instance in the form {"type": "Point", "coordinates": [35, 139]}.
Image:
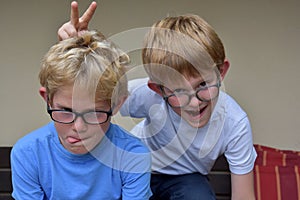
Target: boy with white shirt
{"type": "Point", "coordinates": [188, 121]}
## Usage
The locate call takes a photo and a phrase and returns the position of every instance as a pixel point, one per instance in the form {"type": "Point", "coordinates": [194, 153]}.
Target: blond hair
{"type": "Point", "coordinates": [183, 44]}
{"type": "Point", "coordinates": [90, 61]}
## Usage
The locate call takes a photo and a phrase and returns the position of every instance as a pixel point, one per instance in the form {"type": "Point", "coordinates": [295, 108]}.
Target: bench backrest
{"type": "Point", "coordinates": [5, 174]}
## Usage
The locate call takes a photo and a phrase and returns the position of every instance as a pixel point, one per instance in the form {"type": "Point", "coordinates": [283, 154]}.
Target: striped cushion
{"type": "Point", "coordinates": [277, 174]}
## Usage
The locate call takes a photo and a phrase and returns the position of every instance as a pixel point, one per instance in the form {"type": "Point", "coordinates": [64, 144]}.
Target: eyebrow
{"type": "Point", "coordinates": [95, 108]}
{"type": "Point", "coordinates": [59, 106]}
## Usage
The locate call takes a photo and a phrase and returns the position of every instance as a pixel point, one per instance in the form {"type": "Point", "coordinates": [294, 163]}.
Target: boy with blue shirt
{"type": "Point", "coordinates": [81, 154]}
{"type": "Point", "coordinates": [189, 122]}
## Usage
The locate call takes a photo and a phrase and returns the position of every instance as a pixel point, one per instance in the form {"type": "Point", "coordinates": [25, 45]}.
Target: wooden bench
{"type": "Point", "coordinates": [5, 174]}
{"type": "Point", "coordinates": [219, 177]}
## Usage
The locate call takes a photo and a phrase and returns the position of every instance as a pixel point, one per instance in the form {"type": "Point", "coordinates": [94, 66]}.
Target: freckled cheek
{"type": "Point", "coordinates": [95, 131]}
{"type": "Point", "coordinates": [63, 129]}
{"type": "Point", "coordinates": [178, 111]}
{"type": "Point", "coordinates": [99, 129]}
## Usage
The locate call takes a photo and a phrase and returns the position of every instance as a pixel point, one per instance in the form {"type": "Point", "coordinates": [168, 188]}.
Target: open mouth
{"type": "Point", "coordinates": [197, 113]}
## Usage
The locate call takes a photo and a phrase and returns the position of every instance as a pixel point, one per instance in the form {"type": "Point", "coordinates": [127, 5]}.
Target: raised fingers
{"type": "Point", "coordinates": [66, 31]}
{"type": "Point", "coordinates": [74, 17]}
{"type": "Point", "coordinates": [87, 16]}
{"type": "Point", "coordinates": [77, 25]}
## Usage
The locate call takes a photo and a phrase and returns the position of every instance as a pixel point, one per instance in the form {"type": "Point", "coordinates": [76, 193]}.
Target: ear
{"type": "Point", "coordinates": [224, 68]}
{"type": "Point", "coordinates": [119, 104]}
{"type": "Point", "coordinates": [43, 93]}
{"type": "Point", "coordinates": [155, 87]}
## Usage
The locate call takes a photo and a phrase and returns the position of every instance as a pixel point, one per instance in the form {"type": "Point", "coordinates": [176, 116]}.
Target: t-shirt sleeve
{"type": "Point", "coordinates": [136, 172]}
{"type": "Point", "coordinates": [136, 183]}
{"type": "Point", "coordinates": [240, 152]}
{"type": "Point", "coordinates": [25, 174]}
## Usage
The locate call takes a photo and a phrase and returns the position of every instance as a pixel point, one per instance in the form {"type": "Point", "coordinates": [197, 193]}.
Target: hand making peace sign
{"type": "Point", "coordinates": [76, 26]}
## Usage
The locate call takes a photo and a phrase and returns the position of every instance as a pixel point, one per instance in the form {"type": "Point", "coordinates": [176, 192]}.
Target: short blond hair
{"type": "Point", "coordinates": [184, 44]}
{"type": "Point", "coordinates": [91, 61]}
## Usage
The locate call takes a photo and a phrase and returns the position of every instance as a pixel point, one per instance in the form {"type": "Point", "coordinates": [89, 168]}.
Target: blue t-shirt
{"type": "Point", "coordinates": [118, 168]}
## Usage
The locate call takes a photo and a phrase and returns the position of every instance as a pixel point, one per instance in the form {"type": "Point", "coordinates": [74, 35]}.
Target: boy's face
{"type": "Point", "coordinates": [195, 111]}
{"type": "Point", "coordinates": [79, 137]}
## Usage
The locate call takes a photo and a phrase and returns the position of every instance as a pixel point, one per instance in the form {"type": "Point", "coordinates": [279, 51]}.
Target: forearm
{"type": "Point", "coordinates": [242, 187]}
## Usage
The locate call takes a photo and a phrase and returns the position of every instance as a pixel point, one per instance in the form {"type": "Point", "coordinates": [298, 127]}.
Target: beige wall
{"type": "Point", "coordinates": [261, 39]}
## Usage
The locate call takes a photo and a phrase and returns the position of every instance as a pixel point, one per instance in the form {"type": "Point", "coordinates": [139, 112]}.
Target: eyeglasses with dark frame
{"type": "Point", "coordinates": [89, 117]}
{"type": "Point", "coordinates": [180, 99]}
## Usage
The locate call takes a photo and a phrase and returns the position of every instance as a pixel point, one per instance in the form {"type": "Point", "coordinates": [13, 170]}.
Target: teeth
{"type": "Point", "coordinates": [194, 113]}
{"type": "Point", "coordinates": [197, 112]}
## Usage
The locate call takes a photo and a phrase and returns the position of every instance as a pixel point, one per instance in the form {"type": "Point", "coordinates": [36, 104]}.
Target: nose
{"type": "Point", "coordinates": [79, 125]}
{"type": "Point", "coordinates": [194, 101]}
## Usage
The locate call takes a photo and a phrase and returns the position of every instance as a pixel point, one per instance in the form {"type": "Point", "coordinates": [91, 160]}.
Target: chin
{"type": "Point", "coordinates": [78, 149]}
{"type": "Point", "coordinates": [198, 124]}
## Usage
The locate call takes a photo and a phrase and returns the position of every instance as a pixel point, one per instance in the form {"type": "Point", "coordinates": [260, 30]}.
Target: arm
{"type": "Point", "coordinates": [137, 103]}
{"type": "Point", "coordinates": [76, 26]}
{"type": "Point", "coordinates": [136, 186]}
{"type": "Point", "coordinates": [136, 173]}
{"type": "Point", "coordinates": [242, 186]}
{"type": "Point", "coordinates": [241, 156]}
{"type": "Point", "coordinates": [25, 176]}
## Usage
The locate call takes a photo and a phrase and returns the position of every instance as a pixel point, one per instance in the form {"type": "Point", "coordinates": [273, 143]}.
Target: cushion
{"type": "Point", "coordinates": [276, 174]}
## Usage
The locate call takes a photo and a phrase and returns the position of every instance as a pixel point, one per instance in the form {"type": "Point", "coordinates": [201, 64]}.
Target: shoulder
{"type": "Point", "coordinates": [126, 140]}
{"type": "Point", "coordinates": [228, 109]}
{"type": "Point", "coordinates": [237, 138]}
{"type": "Point", "coordinates": [127, 153]}
{"type": "Point", "coordinates": [232, 118]}
{"type": "Point", "coordinates": [137, 84]}
{"type": "Point", "coordinates": [140, 91]}
{"type": "Point", "coordinates": [140, 100]}
{"type": "Point", "coordinates": [233, 108]}
{"type": "Point", "coordinates": [38, 137]}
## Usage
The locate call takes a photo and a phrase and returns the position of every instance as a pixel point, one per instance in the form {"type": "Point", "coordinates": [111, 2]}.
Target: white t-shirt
{"type": "Point", "coordinates": [178, 148]}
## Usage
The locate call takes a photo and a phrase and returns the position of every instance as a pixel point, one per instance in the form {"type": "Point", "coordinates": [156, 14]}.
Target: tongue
{"type": "Point", "coordinates": [73, 140]}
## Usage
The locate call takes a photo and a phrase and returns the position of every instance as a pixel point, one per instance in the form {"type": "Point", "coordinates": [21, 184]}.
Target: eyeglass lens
{"type": "Point", "coordinates": [94, 117]}
{"type": "Point", "coordinates": [181, 99]}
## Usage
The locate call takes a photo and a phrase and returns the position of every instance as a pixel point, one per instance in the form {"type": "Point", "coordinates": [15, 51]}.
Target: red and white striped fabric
{"type": "Point", "coordinates": [277, 174]}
